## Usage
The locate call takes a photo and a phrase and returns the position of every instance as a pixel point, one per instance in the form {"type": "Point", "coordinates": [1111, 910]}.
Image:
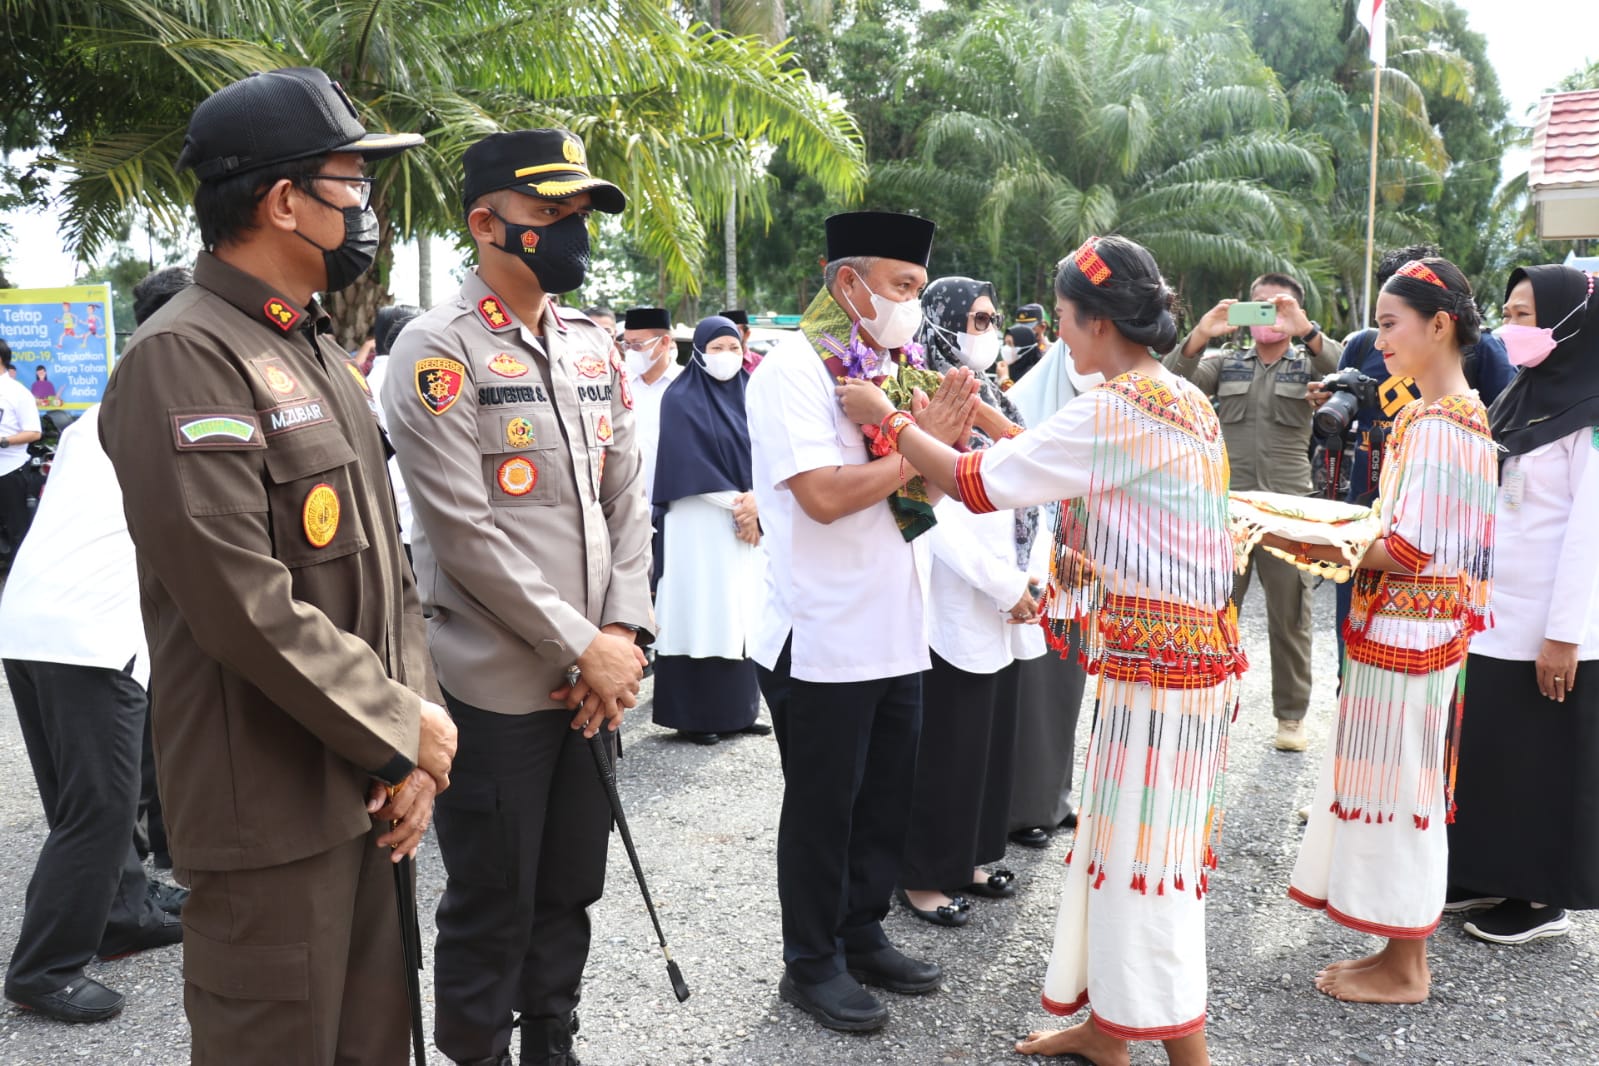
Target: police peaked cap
{"type": "Point", "coordinates": [881, 234]}
{"type": "Point", "coordinates": [549, 164]}
{"type": "Point", "coordinates": [647, 318]}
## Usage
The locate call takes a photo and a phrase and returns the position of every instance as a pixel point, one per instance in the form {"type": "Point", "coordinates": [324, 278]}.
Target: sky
{"type": "Point", "coordinates": [1531, 43]}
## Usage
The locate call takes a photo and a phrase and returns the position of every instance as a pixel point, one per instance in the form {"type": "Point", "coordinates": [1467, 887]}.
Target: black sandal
{"type": "Point", "coordinates": [1001, 884]}
{"type": "Point", "coordinates": [952, 915]}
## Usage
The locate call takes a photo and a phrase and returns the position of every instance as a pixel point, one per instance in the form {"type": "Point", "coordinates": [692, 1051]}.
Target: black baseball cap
{"type": "Point", "coordinates": [549, 164]}
{"type": "Point", "coordinates": [279, 116]}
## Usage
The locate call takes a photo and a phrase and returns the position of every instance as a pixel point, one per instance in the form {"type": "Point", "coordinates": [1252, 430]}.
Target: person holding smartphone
{"type": "Point", "coordinates": [1257, 382]}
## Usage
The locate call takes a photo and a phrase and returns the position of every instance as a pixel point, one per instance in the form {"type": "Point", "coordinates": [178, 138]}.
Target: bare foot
{"type": "Point", "coordinates": [1390, 979]}
{"type": "Point", "coordinates": [1350, 964]}
{"type": "Point", "coordinates": [1085, 1039]}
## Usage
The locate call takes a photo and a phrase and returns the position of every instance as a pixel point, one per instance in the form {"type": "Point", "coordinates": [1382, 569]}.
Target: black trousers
{"type": "Point", "coordinates": [523, 832]}
{"type": "Point", "coordinates": [951, 774]}
{"type": "Point", "coordinates": [849, 763]}
{"type": "Point", "coordinates": [15, 516]}
{"type": "Point", "coordinates": [83, 727]}
{"type": "Point", "coordinates": [150, 829]}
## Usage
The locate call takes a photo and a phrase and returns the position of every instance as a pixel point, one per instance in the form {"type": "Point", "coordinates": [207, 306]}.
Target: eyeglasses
{"type": "Point", "coordinates": [362, 187]}
{"type": "Point", "coordinates": [982, 320]}
{"type": "Point", "coordinates": [641, 346]}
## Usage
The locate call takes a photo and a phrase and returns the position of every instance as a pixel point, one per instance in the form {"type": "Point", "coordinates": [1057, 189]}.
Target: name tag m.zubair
{"type": "Point", "coordinates": [294, 416]}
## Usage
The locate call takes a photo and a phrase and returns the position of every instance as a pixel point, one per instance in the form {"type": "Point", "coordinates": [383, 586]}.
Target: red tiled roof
{"type": "Point", "coordinates": [1565, 140]}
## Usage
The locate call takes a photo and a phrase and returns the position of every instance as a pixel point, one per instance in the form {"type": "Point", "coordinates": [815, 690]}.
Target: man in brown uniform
{"type": "Point", "coordinates": [514, 428]}
{"type": "Point", "coordinates": [285, 636]}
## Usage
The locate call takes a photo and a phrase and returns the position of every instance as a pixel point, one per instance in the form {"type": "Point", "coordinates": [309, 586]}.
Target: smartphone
{"type": "Point", "coordinates": [1252, 313]}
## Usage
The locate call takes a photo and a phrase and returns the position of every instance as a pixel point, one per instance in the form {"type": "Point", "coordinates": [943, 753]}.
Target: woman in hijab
{"type": "Point", "coordinates": [981, 618]}
{"type": "Point", "coordinates": [1525, 842]}
{"type": "Point", "coordinates": [711, 561]}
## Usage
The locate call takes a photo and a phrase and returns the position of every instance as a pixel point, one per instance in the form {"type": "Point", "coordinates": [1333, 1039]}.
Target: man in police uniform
{"type": "Point", "coordinates": [287, 658]}
{"type": "Point", "coordinates": [513, 424]}
{"type": "Point", "coordinates": [1259, 393]}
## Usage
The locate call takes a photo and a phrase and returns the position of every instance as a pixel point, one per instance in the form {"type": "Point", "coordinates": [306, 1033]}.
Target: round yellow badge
{"type": "Point", "coordinates": [321, 515]}
{"type": "Point", "coordinates": [517, 477]}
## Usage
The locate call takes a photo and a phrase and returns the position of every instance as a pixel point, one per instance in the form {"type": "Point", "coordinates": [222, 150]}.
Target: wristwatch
{"type": "Point", "coordinates": [1315, 331]}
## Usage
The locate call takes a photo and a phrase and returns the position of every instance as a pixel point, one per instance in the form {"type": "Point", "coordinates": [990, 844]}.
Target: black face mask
{"type": "Point", "coordinates": [354, 257]}
{"type": "Point", "coordinates": [558, 254]}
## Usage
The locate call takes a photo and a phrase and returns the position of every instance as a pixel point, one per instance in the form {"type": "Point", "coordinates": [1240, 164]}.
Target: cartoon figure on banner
{"type": "Point", "coordinates": [44, 390]}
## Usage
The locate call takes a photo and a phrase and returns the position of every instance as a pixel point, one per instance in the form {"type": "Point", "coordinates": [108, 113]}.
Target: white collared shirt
{"type": "Point", "coordinates": [19, 412]}
{"type": "Point", "coordinates": [647, 417]}
{"type": "Point", "coordinates": [852, 593]}
{"type": "Point", "coordinates": [73, 593]}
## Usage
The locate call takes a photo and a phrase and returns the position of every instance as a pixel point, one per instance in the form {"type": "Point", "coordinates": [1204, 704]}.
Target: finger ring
{"type": "Point", "coordinates": [1560, 679]}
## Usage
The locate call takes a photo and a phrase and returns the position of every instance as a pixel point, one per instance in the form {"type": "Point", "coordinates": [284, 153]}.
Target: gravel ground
{"type": "Point", "coordinates": [705, 820]}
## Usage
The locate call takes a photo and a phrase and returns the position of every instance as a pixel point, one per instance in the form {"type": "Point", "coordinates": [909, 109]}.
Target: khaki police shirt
{"type": "Point", "coordinates": [532, 528]}
{"type": "Point", "coordinates": [286, 639]}
{"type": "Point", "coordinates": [1265, 417]}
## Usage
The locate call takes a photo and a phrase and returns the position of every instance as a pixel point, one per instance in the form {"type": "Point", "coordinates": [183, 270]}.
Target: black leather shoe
{"type": "Point", "coordinates": [1070, 821]}
{"type": "Point", "coordinates": [757, 729]}
{"type": "Point", "coordinates": [548, 1041]}
{"type": "Point", "coordinates": [82, 999]}
{"type": "Point", "coordinates": [1034, 837]}
{"type": "Point", "coordinates": [839, 1003]}
{"type": "Point", "coordinates": [888, 968]}
{"type": "Point", "coordinates": [706, 739]}
{"type": "Point", "coordinates": [169, 898]}
{"type": "Point", "coordinates": [163, 934]}
{"type": "Point", "coordinates": [1001, 884]}
{"type": "Point", "coordinates": [952, 915]}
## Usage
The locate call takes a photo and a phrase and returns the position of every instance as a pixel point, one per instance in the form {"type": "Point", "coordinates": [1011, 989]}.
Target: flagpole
{"type": "Point", "coordinates": [1371, 199]}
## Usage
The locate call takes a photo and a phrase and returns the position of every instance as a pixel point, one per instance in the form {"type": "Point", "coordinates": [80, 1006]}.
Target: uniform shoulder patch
{"type": "Point", "coordinates": [438, 383]}
{"type": "Point", "coordinates": [280, 313]}
{"type": "Point", "coordinates": [200, 431]}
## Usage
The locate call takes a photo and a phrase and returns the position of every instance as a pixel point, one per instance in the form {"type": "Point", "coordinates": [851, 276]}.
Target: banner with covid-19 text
{"type": "Point", "coordinates": [61, 342]}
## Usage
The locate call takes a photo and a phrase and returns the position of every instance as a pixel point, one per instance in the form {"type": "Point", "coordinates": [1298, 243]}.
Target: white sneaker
{"type": "Point", "coordinates": [1290, 735]}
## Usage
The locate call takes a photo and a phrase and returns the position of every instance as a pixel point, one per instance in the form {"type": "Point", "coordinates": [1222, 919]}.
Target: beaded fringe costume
{"type": "Point", "coordinates": [1374, 855]}
{"type": "Point", "coordinates": [1142, 466]}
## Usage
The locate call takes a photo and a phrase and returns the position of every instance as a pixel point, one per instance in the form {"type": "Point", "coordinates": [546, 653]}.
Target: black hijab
{"type": "Point", "coordinates": [1560, 395]}
{"type": "Point", "coordinates": [945, 304]}
{"type": "Point", "coordinates": [705, 438]}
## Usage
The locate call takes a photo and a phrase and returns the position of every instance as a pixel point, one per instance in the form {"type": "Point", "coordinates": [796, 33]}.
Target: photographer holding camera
{"type": "Point", "coordinates": [1258, 390]}
{"type": "Point", "coordinates": [1356, 405]}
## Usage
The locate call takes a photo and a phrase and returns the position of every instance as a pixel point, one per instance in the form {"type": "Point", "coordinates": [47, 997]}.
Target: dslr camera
{"type": "Point", "coordinates": [1351, 390]}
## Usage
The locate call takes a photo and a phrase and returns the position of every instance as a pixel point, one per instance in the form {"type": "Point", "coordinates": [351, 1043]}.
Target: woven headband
{"type": "Point", "coordinates": [1095, 269]}
{"type": "Point", "coordinates": [1421, 272]}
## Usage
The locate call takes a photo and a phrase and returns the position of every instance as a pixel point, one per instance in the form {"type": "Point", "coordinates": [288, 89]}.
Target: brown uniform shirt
{"type": "Point", "coordinates": [532, 527]}
{"type": "Point", "coordinates": [285, 634]}
{"type": "Point", "coordinates": [1265, 417]}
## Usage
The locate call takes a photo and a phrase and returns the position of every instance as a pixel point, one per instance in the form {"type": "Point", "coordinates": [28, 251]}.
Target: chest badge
{"type": "Point", "coordinates": [278, 380]}
{"type": "Point", "coordinates": [519, 433]}
{"type": "Point", "coordinates": [591, 366]}
{"type": "Point", "coordinates": [517, 477]}
{"type": "Point", "coordinates": [602, 429]}
{"type": "Point", "coordinates": [280, 313]}
{"type": "Point", "coordinates": [507, 365]}
{"type": "Point", "coordinates": [489, 307]}
{"type": "Point", "coordinates": [320, 515]}
{"type": "Point", "coordinates": [438, 383]}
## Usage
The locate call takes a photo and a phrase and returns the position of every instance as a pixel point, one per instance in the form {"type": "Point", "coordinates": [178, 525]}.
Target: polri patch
{"type": "Point", "coordinates": [591, 366]}
{"type": "Point", "coordinates": [519, 433]}
{"type": "Point", "coordinates": [216, 432]}
{"type": "Point", "coordinates": [438, 383]}
{"type": "Point", "coordinates": [280, 313]}
{"type": "Point", "coordinates": [320, 516]}
{"type": "Point", "coordinates": [517, 477]}
{"type": "Point", "coordinates": [493, 312]}
{"type": "Point", "coordinates": [602, 429]}
{"type": "Point", "coordinates": [507, 365]}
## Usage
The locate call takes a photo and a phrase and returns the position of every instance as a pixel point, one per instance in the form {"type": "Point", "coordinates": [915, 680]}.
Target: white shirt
{"type": "Point", "coordinates": [1546, 571]}
{"type": "Point", "coordinates": [647, 419]}
{"type": "Point", "coordinates": [19, 412]}
{"type": "Point", "coordinates": [73, 593]}
{"type": "Point", "coordinates": [974, 585]}
{"type": "Point", "coordinates": [851, 593]}
{"type": "Point", "coordinates": [402, 498]}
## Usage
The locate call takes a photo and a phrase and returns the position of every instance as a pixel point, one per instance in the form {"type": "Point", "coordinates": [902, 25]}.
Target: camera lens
{"type": "Point", "coordinates": [1333, 418]}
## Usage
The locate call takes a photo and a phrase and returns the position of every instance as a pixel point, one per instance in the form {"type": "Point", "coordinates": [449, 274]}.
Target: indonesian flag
{"type": "Point", "coordinates": [1373, 15]}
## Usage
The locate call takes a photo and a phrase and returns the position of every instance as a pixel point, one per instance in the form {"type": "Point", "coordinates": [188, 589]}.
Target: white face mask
{"type": "Point", "coordinates": [1008, 353]}
{"type": "Point", "coordinates": [893, 323]}
{"type": "Point", "coordinates": [721, 365]}
{"type": "Point", "coordinates": [977, 351]}
{"type": "Point", "coordinates": [640, 363]}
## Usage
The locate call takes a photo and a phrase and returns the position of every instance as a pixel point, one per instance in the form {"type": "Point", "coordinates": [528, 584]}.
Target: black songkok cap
{"type": "Point", "coordinates": [647, 318]}
{"type": "Point", "coordinates": [882, 234]}
{"type": "Point", "coordinates": [550, 164]}
{"type": "Point", "coordinates": [277, 117]}
{"type": "Point", "coordinates": [737, 317]}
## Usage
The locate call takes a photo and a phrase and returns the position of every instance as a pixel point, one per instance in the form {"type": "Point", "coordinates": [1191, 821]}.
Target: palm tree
{"type": "Point", "coordinates": [649, 92]}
